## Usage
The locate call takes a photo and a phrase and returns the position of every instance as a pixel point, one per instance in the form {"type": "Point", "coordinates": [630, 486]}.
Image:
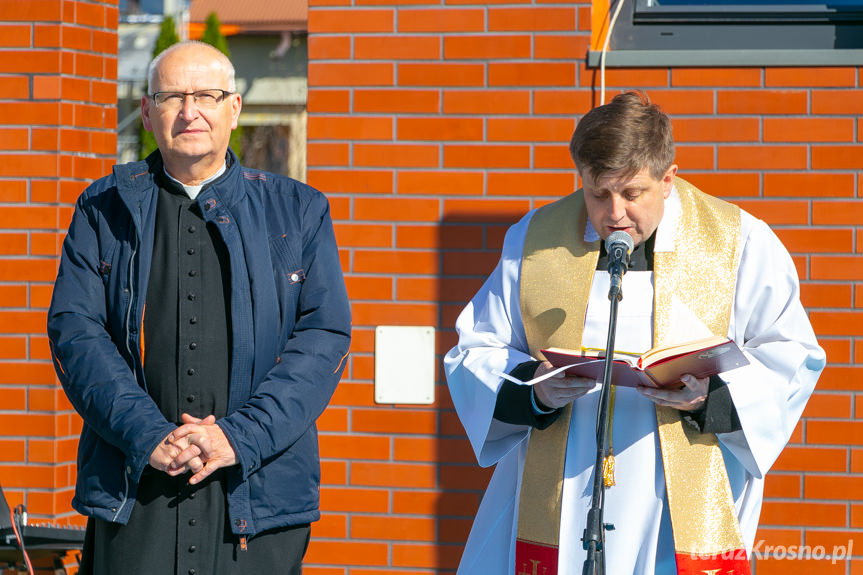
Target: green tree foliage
{"type": "Point", "coordinates": [214, 37]}
{"type": "Point", "coordinates": [167, 37]}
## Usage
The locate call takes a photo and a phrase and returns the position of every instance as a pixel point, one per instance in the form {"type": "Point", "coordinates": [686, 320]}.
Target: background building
{"type": "Point", "coordinates": [267, 43]}
{"type": "Point", "coordinates": [432, 127]}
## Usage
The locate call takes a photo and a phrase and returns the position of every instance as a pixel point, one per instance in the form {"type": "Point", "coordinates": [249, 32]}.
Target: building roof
{"type": "Point", "coordinates": [254, 15]}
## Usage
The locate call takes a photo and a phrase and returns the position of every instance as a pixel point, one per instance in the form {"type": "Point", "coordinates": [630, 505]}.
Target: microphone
{"type": "Point", "coordinates": [618, 245]}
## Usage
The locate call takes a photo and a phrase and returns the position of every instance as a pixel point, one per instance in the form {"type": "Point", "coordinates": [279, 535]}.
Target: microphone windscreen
{"type": "Point", "coordinates": [617, 238]}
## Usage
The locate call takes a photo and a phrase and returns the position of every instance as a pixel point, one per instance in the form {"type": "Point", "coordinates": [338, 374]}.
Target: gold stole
{"type": "Point", "coordinates": [556, 273]}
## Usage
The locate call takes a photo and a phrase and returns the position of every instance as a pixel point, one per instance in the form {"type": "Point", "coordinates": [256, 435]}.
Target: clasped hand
{"type": "Point", "coordinates": [199, 446]}
{"type": "Point", "coordinates": [560, 389]}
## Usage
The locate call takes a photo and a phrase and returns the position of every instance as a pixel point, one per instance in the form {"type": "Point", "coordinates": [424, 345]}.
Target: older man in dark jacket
{"type": "Point", "coordinates": [199, 326]}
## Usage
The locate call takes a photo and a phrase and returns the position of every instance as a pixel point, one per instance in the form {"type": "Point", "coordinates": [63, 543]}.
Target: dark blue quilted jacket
{"type": "Point", "coordinates": [290, 334]}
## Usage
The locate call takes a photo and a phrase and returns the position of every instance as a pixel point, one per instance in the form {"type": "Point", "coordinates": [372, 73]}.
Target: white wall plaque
{"type": "Point", "coordinates": [404, 364]}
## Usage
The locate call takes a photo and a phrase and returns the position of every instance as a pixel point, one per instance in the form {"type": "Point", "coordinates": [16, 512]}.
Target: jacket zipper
{"type": "Point", "coordinates": [125, 496]}
{"type": "Point", "coordinates": [131, 355]}
{"type": "Point", "coordinates": [131, 301]}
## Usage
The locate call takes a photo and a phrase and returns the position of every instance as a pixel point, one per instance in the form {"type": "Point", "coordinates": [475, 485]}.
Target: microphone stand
{"type": "Point", "coordinates": [594, 533]}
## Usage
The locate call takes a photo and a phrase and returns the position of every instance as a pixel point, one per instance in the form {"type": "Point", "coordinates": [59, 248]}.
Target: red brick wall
{"type": "Point", "coordinates": [434, 125]}
{"type": "Point", "coordinates": [58, 69]}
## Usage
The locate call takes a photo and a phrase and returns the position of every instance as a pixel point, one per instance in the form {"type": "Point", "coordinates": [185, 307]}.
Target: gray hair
{"type": "Point", "coordinates": [222, 59]}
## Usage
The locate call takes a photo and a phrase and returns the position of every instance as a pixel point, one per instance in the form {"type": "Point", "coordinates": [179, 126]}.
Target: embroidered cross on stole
{"type": "Point", "coordinates": [556, 273]}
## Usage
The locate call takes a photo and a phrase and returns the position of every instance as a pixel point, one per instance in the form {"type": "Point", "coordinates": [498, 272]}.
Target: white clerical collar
{"type": "Point", "coordinates": [193, 191]}
{"type": "Point", "coordinates": [664, 233]}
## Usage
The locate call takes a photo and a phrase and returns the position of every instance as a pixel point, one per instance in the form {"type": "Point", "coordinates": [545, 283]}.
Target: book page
{"type": "Point", "coordinates": [630, 359]}
{"type": "Point", "coordinates": [658, 354]}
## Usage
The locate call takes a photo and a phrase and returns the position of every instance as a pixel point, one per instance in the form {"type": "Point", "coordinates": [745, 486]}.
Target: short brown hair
{"type": "Point", "coordinates": [625, 135]}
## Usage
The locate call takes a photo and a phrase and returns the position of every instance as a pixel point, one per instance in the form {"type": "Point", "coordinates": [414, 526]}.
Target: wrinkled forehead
{"type": "Point", "coordinates": [190, 69]}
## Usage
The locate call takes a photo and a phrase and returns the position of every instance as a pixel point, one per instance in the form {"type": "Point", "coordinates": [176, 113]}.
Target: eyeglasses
{"type": "Point", "coordinates": [206, 99]}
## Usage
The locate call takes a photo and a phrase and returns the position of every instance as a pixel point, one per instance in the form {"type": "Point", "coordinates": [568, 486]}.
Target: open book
{"type": "Point", "coordinates": [658, 367]}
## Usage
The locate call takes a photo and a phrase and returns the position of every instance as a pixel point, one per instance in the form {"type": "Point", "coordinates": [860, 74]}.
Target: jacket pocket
{"type": "Point", "coordinates": [286, 253]}
{"type": "Point", "coordinates": [289, 483]}
{"type": "Point", "coordinates": [106, 264]}
{"type": "Point", "coordinates": [288, 270]}
{"type": "Point", "coordinates": [101, 484]}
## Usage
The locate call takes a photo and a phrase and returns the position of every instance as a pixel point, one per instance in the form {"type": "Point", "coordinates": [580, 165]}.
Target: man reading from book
{"type": "Point", "coordinates": [690, 459]}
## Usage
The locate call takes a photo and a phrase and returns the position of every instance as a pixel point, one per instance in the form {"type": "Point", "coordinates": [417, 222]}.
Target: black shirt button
{"type": "Point", "coordinates": [192, 548]}
{"type": "Point", "coordinates": [192, 229]}
{"type": "Point", "coordinates": [192, 494]}
{"type": "Point", "coordinates": [192, 571]}
{"type": "Point", "coordinates": [193, 522]}
{"type": "Point", "coordinates": [190, 399]}
{"type": "Point", "coordinates": [193, 320]}
{"type": "Point", "coordinates": [191, 296]}
{"type": "Point", "coordinates": [193, 273]}
{"type": "Point", "coordinates": [190, 251]}
{"type": "Point", "coordinates": [191, 371]}
{"type": "Point", "coordinates": [193, 345]}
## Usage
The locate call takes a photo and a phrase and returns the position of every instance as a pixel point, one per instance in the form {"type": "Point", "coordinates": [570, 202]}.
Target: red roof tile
{"type": "Point", "coordinates": [254, 15]}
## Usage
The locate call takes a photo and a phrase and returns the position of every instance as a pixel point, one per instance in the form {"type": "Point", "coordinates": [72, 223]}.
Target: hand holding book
{"type": "Point", "coordinates": [558, 389]}
{"type": "Point", "coordinates": [659, 367]}
{"type": "Point", "coordinates": [691, 396]}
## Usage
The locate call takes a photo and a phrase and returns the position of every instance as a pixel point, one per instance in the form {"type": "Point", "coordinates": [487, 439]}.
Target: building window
{"type": "Point", "coordinates": [736, 32]}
